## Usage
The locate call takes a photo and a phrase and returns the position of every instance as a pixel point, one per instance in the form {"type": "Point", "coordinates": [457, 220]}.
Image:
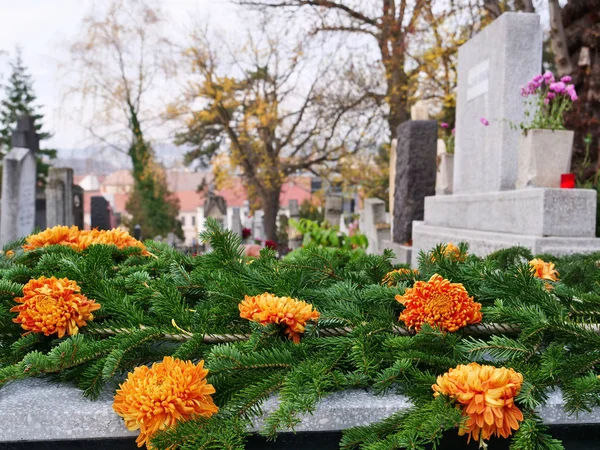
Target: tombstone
{"type": "Point", "coordinates": [236, 221]}
{"type": "Point", "coordinates": [258, 227]}
{"type": "Point", "coordinates": [377, 229]}
{"type": "Point", "coordinates": [492, 68]}
{"type": "Point", "coordinates": [485, 210]}
{"type": "Point", "coordinates": [414, 179]}
{"type": "Point", "coordinates": [77, 206]}
{"type": "Point", "coordinates": [392, 180]}
{"type": "Point", "coordinates": [294, 237]}
{"type": "Point", "coordinates": [100, 213]}
{"type": "Point", "coordinates": [333, 209]}
{"type": "Point", "coordinates": [294, 208]}
{"type": "Point", "coordinates": [19, 178]}
{"type": "Point", "coordinates": [137, 232]}
{"type": "Point", "coordinates": [415, 174]}
{"type": "Point", "coordinates": [419, 111]}
{"type": "Point", "coordinates": [215, 207]}
{"type": "Point", "coordinates": [40, 209]}
{"type": "Point", "coordinates": [59, 197]}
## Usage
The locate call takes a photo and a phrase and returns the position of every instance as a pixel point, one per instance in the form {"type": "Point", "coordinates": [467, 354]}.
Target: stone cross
{"type": "Point", "coordinates": [415, 174]}
{"type": "Point", "coordinates": [492, 68]}
{"type": "Point", "coordinates": [19, 177]}
{"type": "Point", "coordinates": [59, 197]}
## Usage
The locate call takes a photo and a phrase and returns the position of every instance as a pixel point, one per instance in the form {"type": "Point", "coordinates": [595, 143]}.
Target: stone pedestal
{"type": "Point", "coordinates": [555, 221]}
{"type": "Point", "coordinates": [403, 252]}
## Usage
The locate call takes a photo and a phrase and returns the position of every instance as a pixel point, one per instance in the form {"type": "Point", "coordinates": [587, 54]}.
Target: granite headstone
{"type": "Point", "coordinates": [415, 174]}
{"type": "Point", "coordinates": [19, 177]}
{"type": "Point", "coordinates": [100, 213]}
{"type": "Point", "coordinates": [59, 197]}
{"type": "Point", "coordinates": [492, 68]}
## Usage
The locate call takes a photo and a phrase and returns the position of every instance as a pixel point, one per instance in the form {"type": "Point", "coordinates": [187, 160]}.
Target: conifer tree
{"type": "Point", "coordinates": [19, 100]}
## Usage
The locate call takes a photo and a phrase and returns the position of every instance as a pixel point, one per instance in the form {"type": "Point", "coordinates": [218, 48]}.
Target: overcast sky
{"type": "Point", "coordinates": [44, 27]}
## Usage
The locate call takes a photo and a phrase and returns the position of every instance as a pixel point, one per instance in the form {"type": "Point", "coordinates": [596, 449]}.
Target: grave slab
{"type": "Point", "coordinates": [58, 411]}
{"type": "Point", "coordinates": [535, 211]}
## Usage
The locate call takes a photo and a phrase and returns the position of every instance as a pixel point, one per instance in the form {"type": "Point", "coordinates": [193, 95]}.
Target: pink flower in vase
{"type": "Point", "coordinates": [566, 79]}
{"type": "Point", "coordinates": [548, 77]}
{"type": "Point", "coordinates": [558, 87]}
{"type": "Point", "coordinates": [570, 90]}
{"type": "Point", "coordinates": [444, 125]}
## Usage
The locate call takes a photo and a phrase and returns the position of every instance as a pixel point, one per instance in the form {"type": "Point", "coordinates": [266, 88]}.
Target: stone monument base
{"type": "Point", "coordinates": [531, 211]}
{"type": "Point", "coordinates": [482, 243]}
{"type": "Point", "coordinates": [403, 252]}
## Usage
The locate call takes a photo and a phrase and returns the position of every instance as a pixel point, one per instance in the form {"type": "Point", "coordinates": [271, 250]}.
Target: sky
{"type": "Point", "coordinates": [43, 29]}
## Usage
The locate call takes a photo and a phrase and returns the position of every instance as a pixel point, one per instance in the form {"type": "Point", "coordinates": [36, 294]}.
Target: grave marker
{"type": "Point", "coordinates": [100, 214]}
{"type": "Point", "coordinates": [59, 197]}
{"type": "Point", "coordinates": [19, 177]}
{"type": "Point", "coordinates": [415, 174]}
{"type": "Point", "coordinates": [485, 211]}
{"type": "Point", "coordinates": [492, 67]}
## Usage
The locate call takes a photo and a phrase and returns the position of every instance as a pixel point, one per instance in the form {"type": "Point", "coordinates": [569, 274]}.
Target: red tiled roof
{"type": "Point", "coordinates": [189, 200]}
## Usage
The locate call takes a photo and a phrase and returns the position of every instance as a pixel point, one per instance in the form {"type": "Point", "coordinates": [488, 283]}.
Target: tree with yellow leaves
{"type": "Point", "coordinates": [273, 113]}
{"type": "Point", "coordinates": [118, 57]}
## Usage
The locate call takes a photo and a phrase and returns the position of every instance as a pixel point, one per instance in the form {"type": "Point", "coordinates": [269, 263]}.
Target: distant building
{"type": "Point", "coordinates": [117, 187]}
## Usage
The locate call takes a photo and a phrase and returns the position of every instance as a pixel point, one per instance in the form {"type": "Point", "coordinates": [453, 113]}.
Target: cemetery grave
{"type": "Point", "coordinates": [106, 341]}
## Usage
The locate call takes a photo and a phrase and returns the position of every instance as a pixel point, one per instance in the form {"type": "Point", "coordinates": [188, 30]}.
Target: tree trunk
{"type": "Point", "coordinates": [270, 206]}
{"type": "Point", "coordinates": [397, 90]}
{"type": "Point", "coordinates": [558, 41]}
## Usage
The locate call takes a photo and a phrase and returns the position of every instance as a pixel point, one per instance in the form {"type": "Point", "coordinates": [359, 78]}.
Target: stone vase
{"type": "Point", "coordinates": [445, 175]}
{"type": "Point", "coordinates": [544, 155]}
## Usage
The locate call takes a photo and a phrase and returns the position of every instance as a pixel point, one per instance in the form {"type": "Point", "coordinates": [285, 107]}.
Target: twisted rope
{"type": "Point", "coordinates": [482, 329]}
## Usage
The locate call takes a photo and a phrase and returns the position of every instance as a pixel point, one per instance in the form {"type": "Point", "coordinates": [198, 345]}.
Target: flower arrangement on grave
{"type": "Point", "coordinates": [481, 330]}
{"type": "Point", "coordinates": [546, 148]}
{"type": "Point", "coordinates": [550, 98]}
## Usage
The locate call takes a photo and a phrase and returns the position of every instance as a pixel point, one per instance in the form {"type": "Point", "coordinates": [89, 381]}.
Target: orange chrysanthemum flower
{"type": "Point", "coordinates": [438, 303]}
{"type": "Point", "coordinates": [486, 395]}
{"type": "Point", "coordinates": [155, 398]}
{"type": "Point", "coordinates": [391, 278]}
{"type": "Point", "coordinates": [117, 237]}
{"type": "Point", "coordinates": [267, 308]}
{"type": "Point", "coordinates": [51, 305]}
{"type": "Point", "coordinates": [544, 270]}
{"type": "Point", "coordinates": [450, 251]}
{"type": "Point", "coordinates": [58, 235]}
